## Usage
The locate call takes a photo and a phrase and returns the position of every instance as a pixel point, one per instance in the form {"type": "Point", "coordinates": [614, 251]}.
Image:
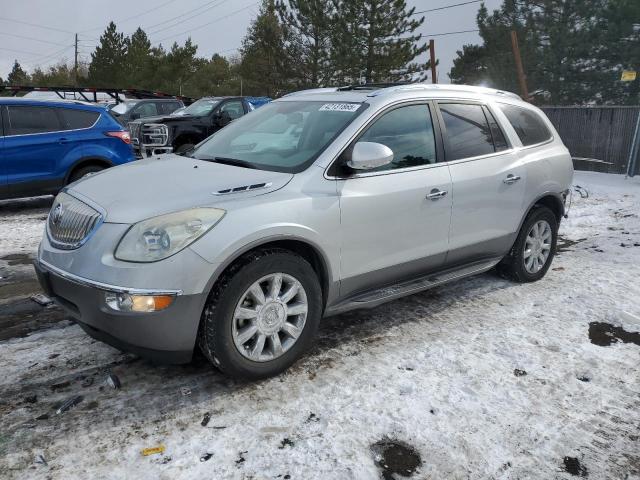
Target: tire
{"type": "Point", "coordinates": [519, 267]}
{"type": "Point", "coordinates": [84, 171]}
{"type": "Point", "coordinates": [183, 148]}
{"type": "Point", "coordinates": [222, 331]}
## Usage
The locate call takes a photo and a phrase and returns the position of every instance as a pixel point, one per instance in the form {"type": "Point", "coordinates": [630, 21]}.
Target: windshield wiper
{"type": "Point", "coordinates": [234, 161]}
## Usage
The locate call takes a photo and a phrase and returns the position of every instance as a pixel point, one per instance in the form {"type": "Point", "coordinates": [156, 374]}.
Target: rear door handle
{"type": "Point", "coordinates": [63, 140]}
{"type": "Point", "coordinates": [511, 179]}
{"type": "Point", "coordinates": [436, 194]}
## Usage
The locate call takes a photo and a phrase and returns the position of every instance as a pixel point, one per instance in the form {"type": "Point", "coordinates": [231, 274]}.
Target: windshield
{"type": "Point", "coordinates": [200, 108]}
{"type": "Point", "coordinates": [280, 136]}
{"type": "Point", "coordinates": [123, 107]}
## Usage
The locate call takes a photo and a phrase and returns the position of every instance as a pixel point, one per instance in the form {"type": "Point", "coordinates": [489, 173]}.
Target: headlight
{"type": "Point", "coordinates": [160, 237]}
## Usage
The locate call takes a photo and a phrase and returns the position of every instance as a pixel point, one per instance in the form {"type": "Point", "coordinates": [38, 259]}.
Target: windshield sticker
{"type": "Point", "coordinates": [339, 107]}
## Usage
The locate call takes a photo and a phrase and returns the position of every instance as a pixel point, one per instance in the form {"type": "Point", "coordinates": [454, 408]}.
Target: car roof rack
{"type": "Point", "coordinates": [444, 87]}
{"type": "Point", "coordinates": [90, 94]}
{"type": "Point", "coordinates": [371, 86]}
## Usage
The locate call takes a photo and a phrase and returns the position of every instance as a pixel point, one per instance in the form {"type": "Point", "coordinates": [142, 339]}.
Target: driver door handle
{"type": "Point", "coordinates": [511, 179]}
{"type": "Point", "coordinates": [436, 194]}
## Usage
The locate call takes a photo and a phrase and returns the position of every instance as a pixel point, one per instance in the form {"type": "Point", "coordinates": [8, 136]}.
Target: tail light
{"type": "Point", "coordinates": [122, 135]}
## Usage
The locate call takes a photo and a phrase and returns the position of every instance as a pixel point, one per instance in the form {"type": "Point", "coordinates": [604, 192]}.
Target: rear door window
{"type": "Point", "coordinates": [467, 131]}
{"type": "Point", "coordinates": [77, 119]}
{"type": "Point", "coordinates": [499, 140]}
{"type": "Point", "coordinates": [531, 129]}
{"type": "Point", "coordinates": [25, 120]}
{"type": "Point", "coordinates": [147, 109]}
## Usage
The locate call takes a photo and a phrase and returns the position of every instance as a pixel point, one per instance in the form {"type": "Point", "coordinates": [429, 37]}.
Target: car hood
{"type": "Point", "coordinates": [165, 119]}
{"type": "Point", "coordinates": [170, 183]}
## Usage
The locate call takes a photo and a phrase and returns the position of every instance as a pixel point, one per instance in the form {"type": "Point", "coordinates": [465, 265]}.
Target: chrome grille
{"type": "Point", "coordinates": [71, 222]}
{"type": "Point", "coordinates": [154, 135]}
{"type": "Point", "coordinates": [134, 131]}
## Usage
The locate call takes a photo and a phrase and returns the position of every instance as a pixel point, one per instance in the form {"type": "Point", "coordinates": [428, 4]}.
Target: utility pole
{"type": "Point", "coordinates": [75, 63]}
{"type": "Point", "coordinates": [516, 55]}
{"type": "Point", "coordinates": [432, 53]}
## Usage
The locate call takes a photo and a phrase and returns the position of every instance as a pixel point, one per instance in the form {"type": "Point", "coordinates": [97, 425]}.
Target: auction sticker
{"type": "Point", "coordinates": [339, 107]}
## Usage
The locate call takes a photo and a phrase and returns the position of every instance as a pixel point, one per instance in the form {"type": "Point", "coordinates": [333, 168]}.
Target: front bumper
{"type": "Point", "coordinates": [166, 336]}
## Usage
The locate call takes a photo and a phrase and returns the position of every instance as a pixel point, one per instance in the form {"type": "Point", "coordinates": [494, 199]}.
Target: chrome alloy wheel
{"type": "Point", "coordinates": [537, 246]}
{"type": "Point", "coordinates": [269, 317]}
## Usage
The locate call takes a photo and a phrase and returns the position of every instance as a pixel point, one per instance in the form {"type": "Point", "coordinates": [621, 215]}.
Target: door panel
{"type": "Point", "coordinates": [486, 210]}
{"type": "Point", "coordinates": [488, 183]}
{"type": "Point", "coordinates": [390, 230]}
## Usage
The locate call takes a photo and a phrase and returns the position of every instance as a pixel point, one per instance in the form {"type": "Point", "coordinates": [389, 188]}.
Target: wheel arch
{"type": "Point", "coordinates": [303, 247]}
{"type": "Point", "coordinates": [86, 162]}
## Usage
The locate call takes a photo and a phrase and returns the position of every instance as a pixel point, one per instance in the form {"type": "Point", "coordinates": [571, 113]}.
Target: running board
{"type": "Point", "coordinates": [373, 298]}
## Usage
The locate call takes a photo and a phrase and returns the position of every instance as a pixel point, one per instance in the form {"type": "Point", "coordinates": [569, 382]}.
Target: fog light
{"type": "Point", "coordinates": [124, 302]}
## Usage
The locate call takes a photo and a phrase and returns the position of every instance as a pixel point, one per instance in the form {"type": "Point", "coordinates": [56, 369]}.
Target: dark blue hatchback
{"type": "Point", "coordinates": [44, 145]}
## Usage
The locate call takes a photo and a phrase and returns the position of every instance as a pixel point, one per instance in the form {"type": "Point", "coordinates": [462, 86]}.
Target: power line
{"type": "Point", "coordinates": [31, 38]}
{"type": "Point", "coordinates": [451, 33]}
{"type": "Point", "coordinates": [122, 20]}
{"type": "Point", "coordinates": [200, 9]}
{"type": "Point", "coordinates": [208, 23]}
{"type": "Point", "coordinates": [447, 6]}
{"type": "Point", "coordinates": [36, 25]}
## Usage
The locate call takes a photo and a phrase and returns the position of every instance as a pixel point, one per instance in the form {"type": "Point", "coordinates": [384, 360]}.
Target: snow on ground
{"type": "Point", "coordinates": [482, 378]}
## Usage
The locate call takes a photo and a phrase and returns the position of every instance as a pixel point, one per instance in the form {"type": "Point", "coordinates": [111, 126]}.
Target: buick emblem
{"type": "Point", "coordinates": [56, 215]}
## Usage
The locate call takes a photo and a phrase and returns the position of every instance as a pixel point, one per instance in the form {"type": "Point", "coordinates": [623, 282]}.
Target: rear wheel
{"type": "Point", "coordinates": [534, 249]}
{"type": "Point", "coordinates": [84, 171]}
{"type": "Point", "coordinates": [262, 314]}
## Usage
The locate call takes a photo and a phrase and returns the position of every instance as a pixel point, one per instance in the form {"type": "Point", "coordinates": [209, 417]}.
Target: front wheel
{"type": "Point", "coordinates": [262, 314]}
{"type": "Point", "coordinates": [534, 249]}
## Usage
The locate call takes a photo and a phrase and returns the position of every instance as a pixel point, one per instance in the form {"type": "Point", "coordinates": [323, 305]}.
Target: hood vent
{"type": "Point", "coordinates": [244, 188]}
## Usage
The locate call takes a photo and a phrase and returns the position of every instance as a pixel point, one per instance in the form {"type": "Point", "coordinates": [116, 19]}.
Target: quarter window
{"type": "Point", "coordinates": [24, 120]}
{"type": "Point", "coordinates": [499, 142]}
{"type": "Point", "coordinates": [530, 128]}
{"type": "Point", "coordinates": [408, 132]}
{"type": "Point", "coordinates": [467, 131]}
{"type": "Point", "coordinates": [76, 119]}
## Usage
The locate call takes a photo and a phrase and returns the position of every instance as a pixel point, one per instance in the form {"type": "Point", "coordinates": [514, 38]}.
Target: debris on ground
{"type": "Point", "coordinates": [153, 450]}
{"type": "Point", "coordinates": [41, 299]}
{"type": "Point", "coordinates": [205, 419]}
{"type": "Point", "coordinates": [519, 373]}
{"type": "Point", "coordinates": [31, 399]}
{"type": "Point", "coordinates": [41, 460]}
{"type": "Point", "coordinates": [71, 402]}
{"type": "Point", "coordinates": [185, 391]}
{"type": "Point", "coordinates": [206, 457]}
{"type": "Point", "coordinates": [113, 381]}
{"type": "Point", "coordinates": [87, 382]}
{"type": "Point", "coordinates": [287, 442]}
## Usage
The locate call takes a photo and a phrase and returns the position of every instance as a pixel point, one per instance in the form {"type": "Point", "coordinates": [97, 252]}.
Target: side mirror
{"type": "Point", "coordinates": [368, 155]}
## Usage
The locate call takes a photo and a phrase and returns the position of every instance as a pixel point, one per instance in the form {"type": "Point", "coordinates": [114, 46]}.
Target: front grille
{"type": "Point", "coordinates": [134, 132]}
{"type": "Point", "coordinates": [154, 135]}
{"type": "Point", "coordinates": [71, 222]}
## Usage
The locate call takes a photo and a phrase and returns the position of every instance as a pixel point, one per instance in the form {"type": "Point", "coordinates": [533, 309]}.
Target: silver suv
{"type": "Point", "coordinates": [318, 203]}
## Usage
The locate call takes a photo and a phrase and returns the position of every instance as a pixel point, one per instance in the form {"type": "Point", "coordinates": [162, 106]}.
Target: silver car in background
{"type": "Point", "coordinates": [315, 204]}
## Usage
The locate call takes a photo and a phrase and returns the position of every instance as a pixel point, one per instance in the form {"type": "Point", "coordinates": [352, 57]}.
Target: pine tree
{"type": "Point", "coordinates": [310, 23]}
{"type": "Point", "coordinates": [267, 57]}
{"type": "Point", "coordinates": [139, 69]}
{"type": "Point", "coordinates": [375, 40]}
{"type": "Point", "coordinates": [18, 76]}
{"type": "Point", "coordinates": [108, 61]}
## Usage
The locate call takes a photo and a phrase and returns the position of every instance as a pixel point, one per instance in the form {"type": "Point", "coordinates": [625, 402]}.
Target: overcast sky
{"type": "Point", "coordinates": [215, 26]}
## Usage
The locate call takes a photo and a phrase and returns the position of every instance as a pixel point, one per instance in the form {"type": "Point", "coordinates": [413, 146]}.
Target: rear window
{"type": "Point", "coordinates": [76, 119]}
{"type": "Point", "coordinates": [24, 120]}
{"type": "Point", "coordinates": [531, 129]}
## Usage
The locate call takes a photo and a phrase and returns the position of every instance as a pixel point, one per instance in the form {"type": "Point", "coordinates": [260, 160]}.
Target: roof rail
{"type": "Point", "coordinates": [89, 94]}
{"type": "Point", "coordinates": [450, 87]}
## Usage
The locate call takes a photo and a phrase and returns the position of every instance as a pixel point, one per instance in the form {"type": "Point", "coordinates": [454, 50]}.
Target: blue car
{"type": "Point", "coordinates": [45, 145]}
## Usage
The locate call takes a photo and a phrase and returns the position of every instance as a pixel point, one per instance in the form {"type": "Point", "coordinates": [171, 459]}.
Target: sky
{"type": "Point", "coordinates": [216, 26]}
